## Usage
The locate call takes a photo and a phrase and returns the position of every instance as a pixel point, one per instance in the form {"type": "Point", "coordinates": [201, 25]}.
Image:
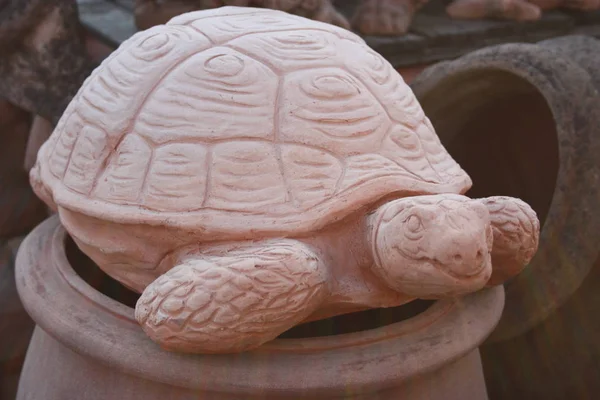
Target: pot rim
{"type": "Point", "coordinates": [96, 326]}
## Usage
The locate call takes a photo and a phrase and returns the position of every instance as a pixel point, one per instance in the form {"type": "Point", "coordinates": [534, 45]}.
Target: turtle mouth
{"type": "Point", "coordinates": [446, 269]}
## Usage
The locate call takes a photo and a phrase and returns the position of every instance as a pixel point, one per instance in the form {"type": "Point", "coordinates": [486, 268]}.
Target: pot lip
{"type": "Point", "coordinates": [96, 326]}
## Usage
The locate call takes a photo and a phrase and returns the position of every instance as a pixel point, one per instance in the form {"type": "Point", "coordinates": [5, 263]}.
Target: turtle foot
{"type": "Point", "coordinates": [385, 17]}
{"type": "Point", "coordinates": [233, 300]}
{"type": "Point", "coordinates": [516, 231]}
{"type": "Point", "coordinates": [517, 10]}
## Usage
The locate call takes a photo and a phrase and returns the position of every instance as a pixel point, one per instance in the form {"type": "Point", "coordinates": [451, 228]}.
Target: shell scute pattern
{"type": "Point", "coordinates": [312, 175]}
{"type": "Point", "coordinates": [89, 153]}
{"type": "Point", "coordinates": [402, 106]}
{"type": "Point", "coordinates": [269, 125]}
{"type": "Point", "coordinates": [123, 179]}
{"type": "Point", "coordinates": [177, 177]}
{"type": "Point", "coordinates": [110, 97]}
{"type": "Point", "coordinates": [404, 147]}
{"type": "Point", "coordinates": [116, 92]}
{"type": "Point", "coordinates": [328, 108]}
{"type": "Point", "coordinates": [246, 176]}
{"type": "Point", "coordinates": [377, 74]}
{"type": "Point", "coordinates": [227, 296]}
{"type": "Point", "coordinates": [364, 168]}
{"type": "Point", "coordinates": [198, 98]}
{"type": "Point", "coordinates": [290, 50]}
{"type": "Point", "coordinates": [64, 143]}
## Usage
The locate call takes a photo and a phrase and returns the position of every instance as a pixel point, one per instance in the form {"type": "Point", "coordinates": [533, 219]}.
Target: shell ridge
{"type": "Point", "coordinates": [142, 194]}
{"type": "Point", "coordinates": [277, 143]}
{"type": "Point", "coordinates": [338, 184]}
{"type": "Point", "coordinates": [265, 63]}
{"type": "Point", "coordinates": [208, 184]}
{"type": "Point", "coordinates": [71, 156]}
{"type": "Point", "coordinates": [58, 139]}
{"type": "Point", "coordinates": [72, 108]}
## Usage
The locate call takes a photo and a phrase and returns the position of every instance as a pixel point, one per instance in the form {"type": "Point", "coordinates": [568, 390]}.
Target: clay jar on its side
{"type": "Point", "coordinates": [522, 119]}
{"type": "Point", "coordinates": [89, 344]}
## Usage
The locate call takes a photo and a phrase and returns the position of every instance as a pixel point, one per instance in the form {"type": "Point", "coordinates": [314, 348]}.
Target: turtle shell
{"type": "Point", "coordinates": [242, 120]}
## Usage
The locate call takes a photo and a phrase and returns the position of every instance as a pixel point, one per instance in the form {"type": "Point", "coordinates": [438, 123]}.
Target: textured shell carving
{"type": "Point", "coordinates": [241, 110]}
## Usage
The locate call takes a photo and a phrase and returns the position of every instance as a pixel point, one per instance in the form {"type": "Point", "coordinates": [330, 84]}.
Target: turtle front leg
{"type": "Point", "coordinates": [234, 298]}
{"type": "Point", "coordinates": [516, 231]}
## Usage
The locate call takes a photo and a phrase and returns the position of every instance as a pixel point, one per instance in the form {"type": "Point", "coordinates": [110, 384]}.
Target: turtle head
{"type": "Point", "coordinates": [432, 246]}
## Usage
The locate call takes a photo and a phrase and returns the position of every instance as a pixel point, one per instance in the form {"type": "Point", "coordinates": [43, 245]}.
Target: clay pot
{"type": "Point", "coordinates": [88, 343]}
{"type": "Point", "coordinates": [16, 326]}
{"type": "Point", "coordinates": [522, 120]}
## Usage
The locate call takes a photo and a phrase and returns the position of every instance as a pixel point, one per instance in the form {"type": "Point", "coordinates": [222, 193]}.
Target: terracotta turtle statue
{"type": "Point", "coordinates": [248, 170]}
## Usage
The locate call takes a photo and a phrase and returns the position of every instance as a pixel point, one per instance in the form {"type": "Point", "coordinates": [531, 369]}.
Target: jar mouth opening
{"type": "Point", "coordinates": [502, 131]}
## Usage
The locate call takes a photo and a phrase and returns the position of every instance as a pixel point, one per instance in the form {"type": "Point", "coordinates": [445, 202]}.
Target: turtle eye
{"type": "Point", "coordinates": [414, 224]}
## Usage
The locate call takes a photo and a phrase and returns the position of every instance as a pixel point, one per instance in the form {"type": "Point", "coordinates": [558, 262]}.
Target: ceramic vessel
{"type": "Point", "coordinates": [538, 105]}
{"type": "Point", "coordinates": [522, 119]}
{"type": "Point", "coordinates": [89, 346]}
{"type": "Point", "coordinates": [237, 229]}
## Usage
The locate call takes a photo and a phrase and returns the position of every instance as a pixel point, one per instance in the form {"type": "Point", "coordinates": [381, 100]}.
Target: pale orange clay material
{"type": "Point", "coordinates": [149, 13]}
{"type": "Point", "coordinates": [583, 5]}
{"type": "Point", "coordinates": [248, 170]}
{"type": "Point", "coordinates": [385, 17]}
{"type": "Point", "coordinates": [518, 10]}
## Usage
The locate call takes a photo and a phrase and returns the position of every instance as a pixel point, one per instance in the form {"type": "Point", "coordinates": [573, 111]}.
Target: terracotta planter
{"type": "Point", "coordinates": [523, 120]}
{"type": "Point", "coordinates": [88, 343]}
{"type": "Point", "coordinates": [15, 325]}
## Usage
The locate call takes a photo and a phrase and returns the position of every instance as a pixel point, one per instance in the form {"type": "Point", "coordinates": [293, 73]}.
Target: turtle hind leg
{"type": "Point", "coordinates": [516, 231]}
{"type": "Point", "coordinates": [234, 301]}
